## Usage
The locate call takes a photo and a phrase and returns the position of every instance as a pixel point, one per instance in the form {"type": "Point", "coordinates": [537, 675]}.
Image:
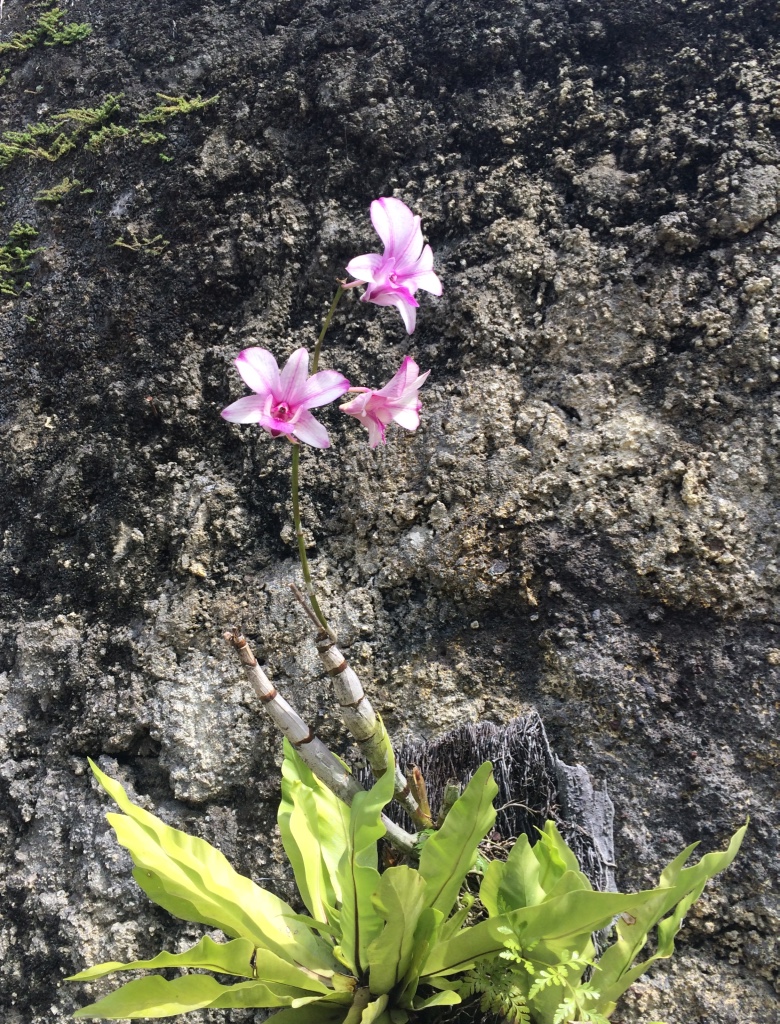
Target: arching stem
{"type": "Point", "coordinates": [325, 325]}
{"type": "Point", "coordinates": [296, 504]}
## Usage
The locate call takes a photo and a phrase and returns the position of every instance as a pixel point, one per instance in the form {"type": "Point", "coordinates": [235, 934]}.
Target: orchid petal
{"type": "Point", "coordinates": [293, 378]}
{"type": "Point", "coordinates": [323, 387]}
{"type": "Point", "coordinates": [427, 280]}
{"type": "Point", "coordinates": [357, 406]}
{"type": "Point", "coordinates": [421, 379]}
{"type": "Point", "coordinates": [400, 297]}
{"type": "Point", "coordinates": [365, 267]}
{"type": "Point", "coordinates": [403, 378]}
{"type": "Point", "coordinates": [311, 431]}
{"type": "Point", "coordinates": [245, 410]}
{"type": "Point", "coordinates": [409, 315]}
{"type": "Point", "coordinates": [409, 419]}
{"type": "Point", "coordinates": [372, 423]}
{"type": "Point", "coordinates": [397, 226]}
{"type": "Point", "coordinates": [376, 431]}
{"type": "Point", "coordinates": [425, 261]}
{"type": "Point", "coordinates": [386, 297]}
{"type": "Point", "coordinates": [258, 370]}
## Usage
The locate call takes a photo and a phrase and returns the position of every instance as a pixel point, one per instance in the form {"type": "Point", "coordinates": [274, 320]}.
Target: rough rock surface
{"type": "Point", "coordinates": [586, 522]}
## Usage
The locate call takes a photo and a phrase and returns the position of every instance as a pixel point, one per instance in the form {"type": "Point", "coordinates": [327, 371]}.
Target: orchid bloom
{"type": "Point", "coordinates": [406, 264]}
{"type": "Point", "coordinates": [396, 402]}
{"type": "Point", "coordinates": [282, 401]}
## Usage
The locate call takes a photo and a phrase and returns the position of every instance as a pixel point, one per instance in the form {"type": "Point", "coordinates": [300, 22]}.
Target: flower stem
{"type": "Point", "coordinates": [296, 458]}
{"type": "Point", "coordinates": [325, 325]}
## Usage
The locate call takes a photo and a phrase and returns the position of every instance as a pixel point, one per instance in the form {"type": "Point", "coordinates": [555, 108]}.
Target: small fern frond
{"type": "Point", "coordinates": [565, 1011]}
{"type": "Point", "coordinates": [497, 984]}
{"type": "Point", "coordinates": [551, 976]}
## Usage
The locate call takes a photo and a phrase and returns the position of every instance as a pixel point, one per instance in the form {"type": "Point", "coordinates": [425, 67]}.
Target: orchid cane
{"type": "Point", "coordinates": [360, 719]}
{"type": "Point", "coordinates": [325, 765]}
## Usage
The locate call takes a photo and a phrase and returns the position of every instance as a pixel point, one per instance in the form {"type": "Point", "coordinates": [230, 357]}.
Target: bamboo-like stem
{"type": "Point", "coordinates": [315, 362]}
{"type": "Point", "coordinates": [361, 720]}
{"type": "Point", "coordinates": [358, 715]}
{"type": "Point", "coordinates": [325, 765]}
{"type": "Point", "coordinates": [304, 560]}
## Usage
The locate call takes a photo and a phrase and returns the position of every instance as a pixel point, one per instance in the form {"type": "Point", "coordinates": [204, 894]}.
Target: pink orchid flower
{"type": "Point", "coordinates": [282, 401]}
{"type": "Point", "coordinates": [396, 402]}
{"type": "Point", "coordinates": [406, 264]}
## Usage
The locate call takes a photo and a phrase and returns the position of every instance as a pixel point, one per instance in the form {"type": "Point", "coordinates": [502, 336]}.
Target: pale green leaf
{"type": "Point", "coordinates": [516, 884]}
{"type": "Point", "coordinates": [425, 940]}
{"type": "Point", "coordinates": [321, 1012]}
{"type": "Point", "coordinates": [445, 998]}
{"type": "Point", "coordinates": [490, 888]}
{"type": "Point", "coordinates": [360, 1000]}
{"type": "Point", "coordinates": [223, 957]}
{"type": "Point", "coordinates": [154, 997]}
{"type": "Point", "coordinates": [360, 922]}
{"type": "Point", "coordinates": [400, 899]}
{"type": "Point", "coordinates": [455, 921]}
{"type": "Point", "coordinates": [318, 926]}
{"type": "Point", "coordinates": [554, 854]}
{"type": "Point", "coordinates": [297, 820]}
{"type": "Point", "coordinates": [569, 881]}
{"type": "Point", "coordinates": [192, 880]}
{"type": "Point", "coordinates": [679, 889]}
{"type": "Point", "coordinates": [330, 1009]}
{"type": "Point", "coordinates": [375, 1010]}
{"type": "Point", "coordinates": [449, 854]}
{"type": "Point", "coordinates": [332, 818]}
{"type": "Point", "coordinates": [563, 917]}
{"type": "Point", "coordinates": [314, 825]}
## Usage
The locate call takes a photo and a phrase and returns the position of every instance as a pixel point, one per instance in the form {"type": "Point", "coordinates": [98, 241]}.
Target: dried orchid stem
{"type": "Point", "coordinates": [361, 720]}
{"type": "Point", "coordinates": [296, 504]}
{"type": "Point", "coordinates": [325, 765]}
{"type": "Point", "coordinates": [325, 325]}
{"type": "Point", "coordinates": [416, 783]}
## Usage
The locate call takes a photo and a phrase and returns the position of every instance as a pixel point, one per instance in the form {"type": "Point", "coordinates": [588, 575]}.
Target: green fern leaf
{"type": "Point", "coordinates": [565, 1011]}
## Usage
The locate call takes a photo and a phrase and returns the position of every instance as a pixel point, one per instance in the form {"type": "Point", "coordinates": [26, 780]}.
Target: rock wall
{"type": "Point", "coordinates": [585, 522]}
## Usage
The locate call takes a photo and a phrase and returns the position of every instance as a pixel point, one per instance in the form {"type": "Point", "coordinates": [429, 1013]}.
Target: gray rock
{"type": "Point", "coordinates": [599, 185]}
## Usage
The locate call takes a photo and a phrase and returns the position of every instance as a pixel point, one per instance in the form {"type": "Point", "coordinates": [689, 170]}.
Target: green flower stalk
{"type": "Point", "coordinates": [315, 362]}
{"type": "Point", "coordinates": [280, 404]}
{"type": "Point", "coordinates": [296, 504]}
